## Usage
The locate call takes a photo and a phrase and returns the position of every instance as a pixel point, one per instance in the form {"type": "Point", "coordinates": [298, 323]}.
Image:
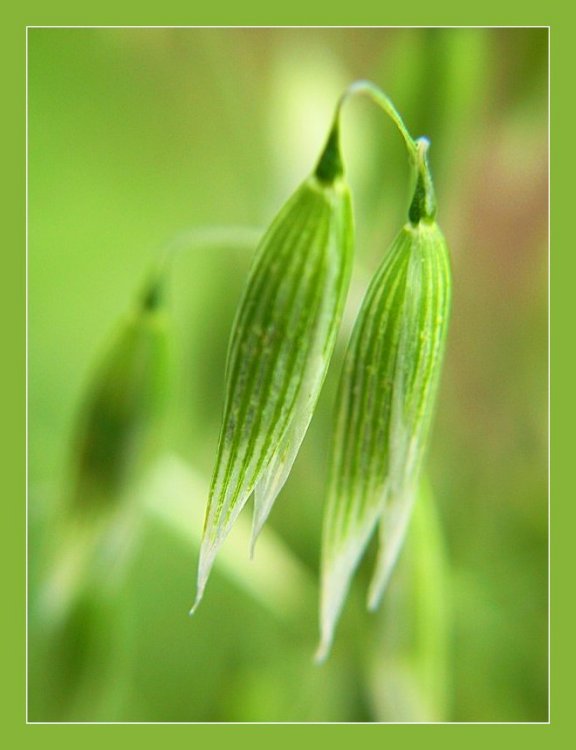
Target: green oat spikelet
{"type": "Point", "coordinates": [385, 404]}
{"type": "Point", "coordinates": [118, 427]}
{"type": "Point", "coordinates": [280, 347]}
{"type": "Point", "coordinates": [122, 410]}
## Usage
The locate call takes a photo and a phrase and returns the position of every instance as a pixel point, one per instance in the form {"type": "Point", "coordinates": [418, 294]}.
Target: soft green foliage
{"type": "Point", "coordinates": [118, 432]}
{"type": "Point", "coordinates": [409, 672]}
{"type": "Point", "coordinates": [122, 410]}
{"type": "Point", "coordinates": [280, 347]}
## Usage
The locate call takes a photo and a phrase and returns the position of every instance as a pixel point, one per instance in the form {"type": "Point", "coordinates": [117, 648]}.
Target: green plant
{"type": "Point", "coordinates": [279, 352]}
{"type": "Point", "coordinates": [139, 135]}
{"type": "Point", "coordinates": [123, 408]}
{"type": "Point", "coordinates": [385, 405]}
{"type": "Point", "coordinates": [280, 349]}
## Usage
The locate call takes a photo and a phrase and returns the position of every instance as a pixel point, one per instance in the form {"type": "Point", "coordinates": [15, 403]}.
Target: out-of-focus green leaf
{"type": "Point", "coordinates": [121, 414]}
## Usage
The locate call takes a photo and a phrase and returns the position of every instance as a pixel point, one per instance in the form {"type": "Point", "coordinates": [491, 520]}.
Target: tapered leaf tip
{"type": "Point", "coordinates": [334, 589]}
{"type": "Point", "coordinates": [198, 599]}
{"type": "Point", "coordinates": [253, 539]}
{"type": "Point", "coordinates": [257, 524]}
{"type": "Point", "coordinates": [375, 594]}
{"type": "Point", "coordinates": [332, 602]}
{"type": "Point", "coordinates": [392, 535]}
{"type": "Point", "coordinates": [323, 649]}
{"type": "Point", "coordinates": [259, 518]}
{"type": "Point", "coordinates": [379, 582]}
{"type": "Point", "coordinates": [207, 555]}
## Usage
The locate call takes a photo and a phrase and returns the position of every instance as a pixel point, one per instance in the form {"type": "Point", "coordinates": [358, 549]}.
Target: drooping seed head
{"type": "Point", "coordinates": [385, 404]}
{"type": "Point", "coordinates": [122, 410]}
{"type": "Point", "coordinates": [280, 347]}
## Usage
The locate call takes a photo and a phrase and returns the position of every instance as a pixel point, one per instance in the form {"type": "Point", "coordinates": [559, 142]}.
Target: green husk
{"type": "Point", "coordinates": [385, 405]}
{"type": "Point", "coordinates": [280, 347]}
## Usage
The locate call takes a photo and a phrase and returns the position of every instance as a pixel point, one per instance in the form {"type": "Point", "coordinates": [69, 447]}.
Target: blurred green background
{"type": "Point", "coordinates": [141, 136]}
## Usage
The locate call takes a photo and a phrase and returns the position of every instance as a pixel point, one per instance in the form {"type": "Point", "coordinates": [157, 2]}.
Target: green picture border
{"type": "Point", "coordinates": [14, 727]}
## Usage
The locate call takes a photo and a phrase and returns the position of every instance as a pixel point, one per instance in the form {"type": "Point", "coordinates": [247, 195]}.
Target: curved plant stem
{"type": "Point", "coordinates": [385, 103]}
{"type": "Point", "coordinates": [423, 206]}
{"type": "Point", "coordinates": [207, 238]}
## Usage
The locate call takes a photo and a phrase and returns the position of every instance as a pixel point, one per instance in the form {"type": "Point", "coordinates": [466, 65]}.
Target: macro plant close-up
{"type": "Point", "coordinates": [287, 374]}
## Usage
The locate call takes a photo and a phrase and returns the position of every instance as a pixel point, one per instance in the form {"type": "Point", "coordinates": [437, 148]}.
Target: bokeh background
{"type": "Point", "coordinates": [140, 139]}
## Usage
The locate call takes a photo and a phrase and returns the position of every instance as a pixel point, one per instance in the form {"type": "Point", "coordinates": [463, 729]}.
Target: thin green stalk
{"type": "Point", "coordinates": [423, 206]}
